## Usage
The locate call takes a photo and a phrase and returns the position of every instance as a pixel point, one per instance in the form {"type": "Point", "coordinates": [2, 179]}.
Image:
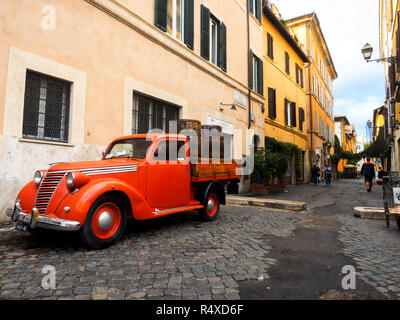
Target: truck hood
{"type": "Point", "coordinates": [78, 166]}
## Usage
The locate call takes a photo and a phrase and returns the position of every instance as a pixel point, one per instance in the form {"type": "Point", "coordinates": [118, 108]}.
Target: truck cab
{"type": "Point", "coordinates": [141, 177]}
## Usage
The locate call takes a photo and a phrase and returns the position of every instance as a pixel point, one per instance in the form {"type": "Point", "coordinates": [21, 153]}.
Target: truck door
{"type": "Point", "coordinates": [168, 175]}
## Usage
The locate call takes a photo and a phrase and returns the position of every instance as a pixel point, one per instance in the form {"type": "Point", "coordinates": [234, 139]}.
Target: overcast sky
{"type": "Point", "coordinates": [347, 25]}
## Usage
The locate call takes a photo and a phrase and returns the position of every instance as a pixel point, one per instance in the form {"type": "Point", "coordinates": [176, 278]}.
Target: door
{"type": "Point", "coordinates": [168, 175]}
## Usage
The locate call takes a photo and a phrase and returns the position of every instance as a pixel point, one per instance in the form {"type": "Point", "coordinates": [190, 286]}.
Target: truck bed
{"type": "Point", "coordinates": [209, 171]}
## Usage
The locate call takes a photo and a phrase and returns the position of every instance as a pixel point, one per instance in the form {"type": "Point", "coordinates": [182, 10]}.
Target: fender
{"type": "Point", "coordinates": [81, 201]}
{"type": "Point", "coordinates": [28, 196]}
{"type": "Point", "coordinates": [219, 189]}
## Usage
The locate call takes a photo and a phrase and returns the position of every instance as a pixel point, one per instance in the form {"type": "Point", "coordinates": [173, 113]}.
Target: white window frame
{"type": "Point", "coordinates": [214, 40]}
{"type": "Point", "coordinates": [289, 112]}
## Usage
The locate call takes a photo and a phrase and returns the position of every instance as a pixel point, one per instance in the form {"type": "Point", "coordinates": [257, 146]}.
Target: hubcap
{"type": "Point", "coordinates": [210, 205]}
{"type": "Point", "coordinates": [105, 220]}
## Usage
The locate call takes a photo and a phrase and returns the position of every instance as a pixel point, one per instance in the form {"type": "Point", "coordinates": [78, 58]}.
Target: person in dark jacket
{"type": "Point", "coordinates": [368, 171]}
{"type": "Point", "coordinates": [315, 173]}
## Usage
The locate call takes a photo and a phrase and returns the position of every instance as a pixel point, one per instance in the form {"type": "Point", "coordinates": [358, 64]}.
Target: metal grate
{"type": "Point", "coordinates": [46, 190]}
{"type": "Point", "coordinates": [151, 114]}
{"type": "Point", "coordinates": [46, 108]}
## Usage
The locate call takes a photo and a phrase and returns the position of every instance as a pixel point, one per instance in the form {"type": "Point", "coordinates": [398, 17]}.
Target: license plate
{"type": "Point", "coordinates": [21, 227]}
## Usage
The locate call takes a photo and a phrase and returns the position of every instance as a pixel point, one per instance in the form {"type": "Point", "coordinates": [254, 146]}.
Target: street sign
{"type": "Point", "coordinates": [396, 195]}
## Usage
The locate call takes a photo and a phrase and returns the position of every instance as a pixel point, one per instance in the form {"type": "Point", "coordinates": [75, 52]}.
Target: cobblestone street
{"type": "Point", "coordinates": [241, 254]}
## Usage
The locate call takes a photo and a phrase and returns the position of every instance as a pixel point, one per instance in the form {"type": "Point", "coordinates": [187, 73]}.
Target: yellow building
{"type": "Point", "coordinates": [284, 87]}
{"type": "Point", "coordinates": [347, 137]}
{"type": "Point", "coordinates": [320, 74]}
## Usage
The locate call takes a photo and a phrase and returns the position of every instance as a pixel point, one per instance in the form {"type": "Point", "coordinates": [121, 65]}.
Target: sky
{"type": "Point", "coordinates": [347, 26]}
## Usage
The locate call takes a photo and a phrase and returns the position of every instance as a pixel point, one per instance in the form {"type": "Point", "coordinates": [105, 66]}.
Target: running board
{"type": "Point", "coordinates": [176, 210]}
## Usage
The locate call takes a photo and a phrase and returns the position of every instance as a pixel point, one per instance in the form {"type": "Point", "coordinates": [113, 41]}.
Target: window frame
{"type": "Point", "coordinates": [44, 102]}
{"type": "Point", "coordinates": [174, 20]}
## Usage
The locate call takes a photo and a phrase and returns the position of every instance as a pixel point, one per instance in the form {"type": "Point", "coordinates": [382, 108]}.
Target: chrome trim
{"type": "Point", "coordinates": [157, 211]}
{"type": "Point", "coordinates": [84, 170]}
{"type": "Point", "coordinates": [45, 222]}
{"type": "Point", "coordinates": [43, 193]}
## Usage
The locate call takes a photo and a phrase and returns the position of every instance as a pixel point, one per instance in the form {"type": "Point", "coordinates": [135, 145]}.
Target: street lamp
{"type": "Point", "coordinates": [367, 51]}
{"type": "Point", "coordinates": [367, 54]}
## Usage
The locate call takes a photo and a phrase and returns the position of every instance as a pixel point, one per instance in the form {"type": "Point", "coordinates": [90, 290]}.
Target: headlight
{"type": "Point", "coordinates": [76, 180]}
{"type": "Point", "coordinates": [70, 180]}
{"type": "Point", "coordinates": [37, 177]}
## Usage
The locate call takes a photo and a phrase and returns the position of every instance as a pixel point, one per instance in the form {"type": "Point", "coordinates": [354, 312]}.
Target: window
{"type": "Point", "coordinates": [316, 119]}
{"type": "Point", "coordinates": [290, 113]}
{"type": "Point", "coordinates": [176, 17]}
{"type": "Point", "coordinates": [315, 91]}
{"type": "Point", "coordinates": [313, 50]}
{"type": "Point", "coordinates": [46, 108]}
{"type": "Point", "coordinates": [287, 63]}
{"type": "Point", "coordinates": [170, 150]}
{"type": "Point", "coordinates": [255, 9]}
{"type": "Point", "coordinates": [213, 39]}
{"type": "Point", "coordinates": [270, 48]}
{"type": "Point", "coordinates": [299, 76]}
{"type": "Point", "coordinates": [257, 82]}
{"type": "Point", "coordinates": [272, 103]}
{"type": "Point", "coordinates": [151, 114]}
{"type": "Point", "coordinates": [130, 148]}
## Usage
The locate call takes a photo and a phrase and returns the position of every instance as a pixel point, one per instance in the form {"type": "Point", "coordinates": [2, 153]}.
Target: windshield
{"type": "Point", "coordinates": [130, 148]}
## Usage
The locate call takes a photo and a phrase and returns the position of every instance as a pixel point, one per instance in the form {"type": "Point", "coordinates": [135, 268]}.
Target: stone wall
{"type": "Point", "coordinates": [19, 160]}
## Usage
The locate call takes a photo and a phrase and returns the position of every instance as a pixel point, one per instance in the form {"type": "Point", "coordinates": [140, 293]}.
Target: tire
{"type": "Point", "coordinates": [211, 207]}
{"type": "Point", "coordinates": [98, 234]}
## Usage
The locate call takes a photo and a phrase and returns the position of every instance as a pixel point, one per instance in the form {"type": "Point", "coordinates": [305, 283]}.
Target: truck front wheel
{"type": "Point", "coordinates": [211, 207]}
{"type": "Point", "coordinates": [105, 222]}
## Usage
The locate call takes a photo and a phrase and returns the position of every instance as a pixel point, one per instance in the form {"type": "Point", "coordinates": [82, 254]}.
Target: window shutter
{"type": "Point", "coordinates": [270, 103]}
{"type": "Point", "coordinates": [260, 78]}
{"type": "Point", "coordinates": [274, 103]}
{"type": "Point", "coordinates": [189, 23]}
{"type": "Point", "coordinates": [222, 46]}
{"type": "Point", "coordinates": [293, 114]}
{"type": "Point", "coordinates": [286, 112]}
{"type": "Point", "coordinates": [287, 63]}
{"type": "Point", "coordinates": [251, 68]}
{"type": "Point", "coordinates": [251, 6]}
{"type": "Point", "coordinates": [301, 118]}
{"type": "Point", "coordinates": [205, 32]}
{"type": "Point", "coordinates": [161, 14]}
{"type": "Point", "coordinates": [258, 10]}
{"type": "Point", "coordinates": [297, 74]}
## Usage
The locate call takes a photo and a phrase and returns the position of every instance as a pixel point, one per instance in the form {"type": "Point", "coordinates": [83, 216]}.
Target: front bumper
{"type": "Point", "coordinates": [35, 220]}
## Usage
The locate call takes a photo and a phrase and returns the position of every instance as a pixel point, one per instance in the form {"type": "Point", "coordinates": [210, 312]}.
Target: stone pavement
{"type": "Point", "coordinates": [170, 258]}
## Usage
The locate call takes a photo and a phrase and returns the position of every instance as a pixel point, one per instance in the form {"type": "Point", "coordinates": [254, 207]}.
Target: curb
{"type": "Point", "coordinates": [267, 203]}
{"type": "Point", "coordinates": [369, 213]}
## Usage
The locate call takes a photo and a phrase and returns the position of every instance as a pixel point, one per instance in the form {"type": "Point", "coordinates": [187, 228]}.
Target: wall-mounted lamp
{"type": "Point", "coordinates": [367, 54]}
{"type": "Point", "coordinates": [223, 105]}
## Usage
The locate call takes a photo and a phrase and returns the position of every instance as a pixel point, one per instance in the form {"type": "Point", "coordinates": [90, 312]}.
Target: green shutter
{"type": "Point", "coordinates": [205, 32]}
{"type": "Point", "coordinates": [293, 114]}
{"type": "Point", "coordinates": [260, 77]}
{"type": "Point", "coordinates": [286, 112]}
{"type": "Point", "coordinates": [222, 46]}
{"type": "Point", "coordinates": [251, 68]}
{"type": "Point", "coordinates": [161, 14]}
{"type": "Point", "coordinates": [189, 23]}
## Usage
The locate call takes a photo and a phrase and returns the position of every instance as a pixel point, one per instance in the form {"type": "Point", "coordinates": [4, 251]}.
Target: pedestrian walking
{"type": "Point", "coordinates": [315, 173]}
{"type": "Point", "coordinates": [368, 171]}
{"type": "Point", "coordinates": [328, 175]}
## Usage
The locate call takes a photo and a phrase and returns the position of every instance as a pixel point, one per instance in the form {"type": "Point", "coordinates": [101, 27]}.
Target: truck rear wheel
{"type": "Point", "coordinates": [105, 222]}
{"type": "Point", "coordinates": [211, 207]}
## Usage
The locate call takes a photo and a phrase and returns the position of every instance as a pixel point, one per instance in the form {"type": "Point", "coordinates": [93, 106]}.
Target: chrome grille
{"type": "Point", "coordinates": [46, 190]}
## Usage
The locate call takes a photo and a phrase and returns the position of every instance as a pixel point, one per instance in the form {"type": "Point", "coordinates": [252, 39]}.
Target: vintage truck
{"type": "Point", "coordinates": [138, 177]}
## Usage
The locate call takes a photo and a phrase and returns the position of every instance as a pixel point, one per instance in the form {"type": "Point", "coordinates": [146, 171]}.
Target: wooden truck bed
{"type": "Point", "coordinates": [210, 171]}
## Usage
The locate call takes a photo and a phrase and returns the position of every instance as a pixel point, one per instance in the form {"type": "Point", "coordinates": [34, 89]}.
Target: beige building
{"type": "Point", "coordinates": [76, 74]}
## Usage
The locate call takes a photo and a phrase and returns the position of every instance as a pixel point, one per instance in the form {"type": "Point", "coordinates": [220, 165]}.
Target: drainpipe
{"type": "Point", "coordinates": [249, 58]}
{"type": "Point", "coordinates": [309, 82]}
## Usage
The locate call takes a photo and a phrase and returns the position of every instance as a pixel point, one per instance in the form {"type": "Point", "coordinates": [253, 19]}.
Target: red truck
{"type": "Point", "coordinates": [138, 177]}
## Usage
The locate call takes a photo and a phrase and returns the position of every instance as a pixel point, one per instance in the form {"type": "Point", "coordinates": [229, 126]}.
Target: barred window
{"type": "Point", "coordinates": [151, 114]}
{"type": "Point", "coordinates": [46, 108]}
